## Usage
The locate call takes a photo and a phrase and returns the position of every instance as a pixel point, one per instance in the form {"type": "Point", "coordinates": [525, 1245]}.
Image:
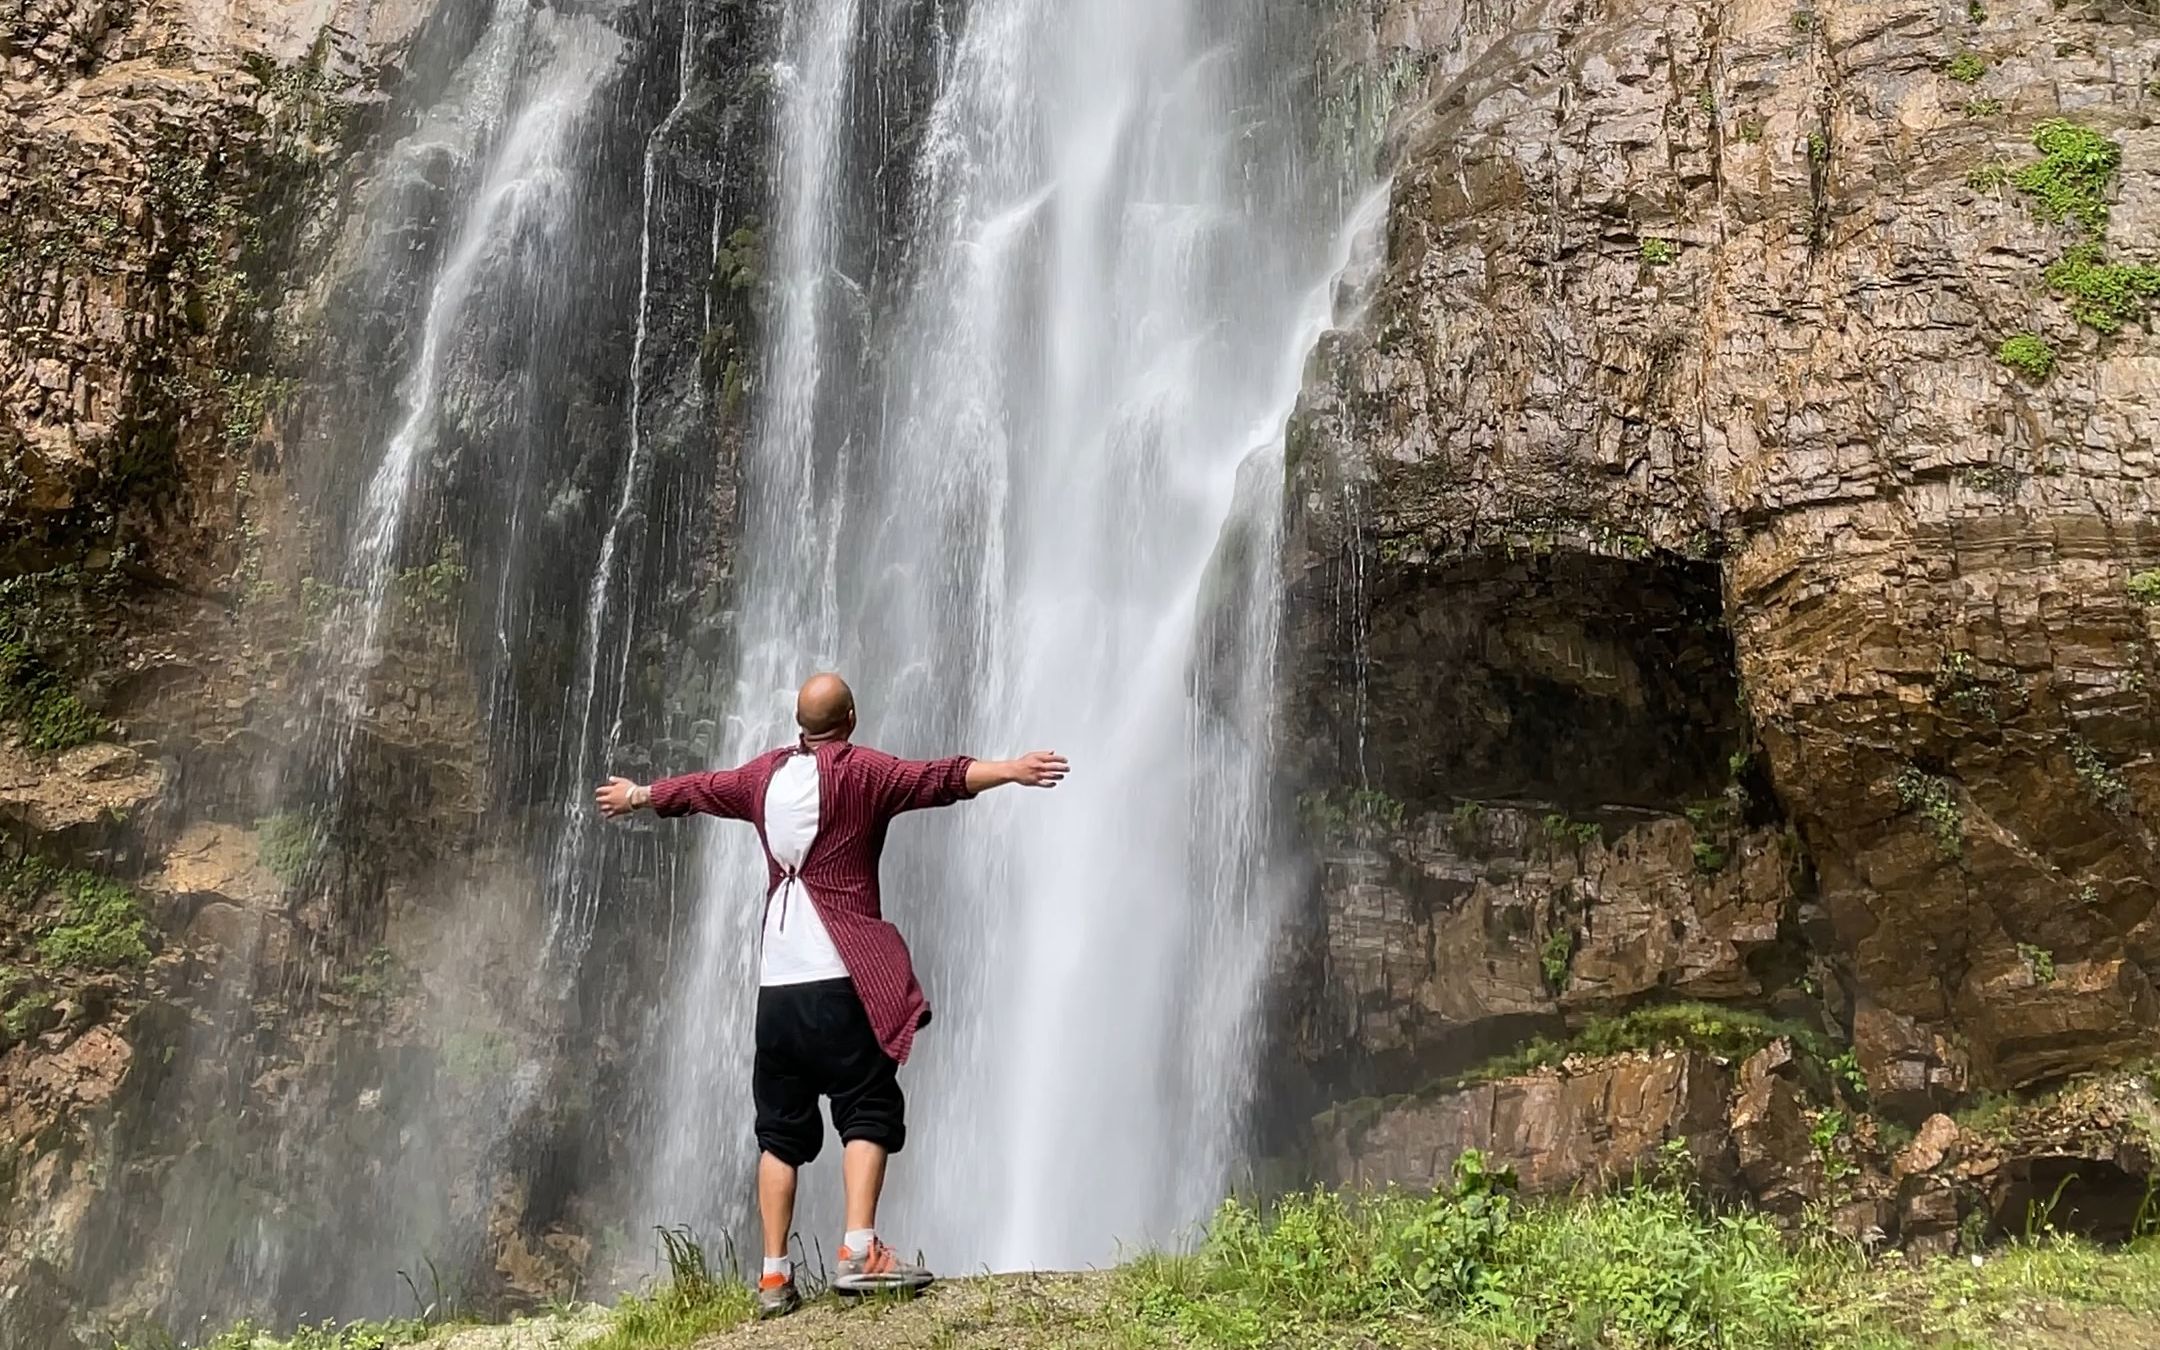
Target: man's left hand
{"type": "Point", "coordinates": [620, 796]}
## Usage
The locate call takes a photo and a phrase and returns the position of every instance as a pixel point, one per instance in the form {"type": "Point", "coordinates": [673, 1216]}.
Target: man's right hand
{"type": "Point", "coordinates": [620, 796]}
{"type": "Point", "coordinates": [1040, 769]}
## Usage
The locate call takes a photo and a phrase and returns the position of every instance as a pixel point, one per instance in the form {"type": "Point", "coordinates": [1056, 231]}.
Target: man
{"type": "Point", "coordinates": [838, 1004]}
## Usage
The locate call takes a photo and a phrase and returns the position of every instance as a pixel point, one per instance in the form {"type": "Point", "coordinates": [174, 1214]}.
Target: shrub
{"type": "Point", "coordinates": [2070, 181]}
{"type": "Point", "coordinates": [2028, 355]}
{"type": "Point", "coordinates": [2144, 587]}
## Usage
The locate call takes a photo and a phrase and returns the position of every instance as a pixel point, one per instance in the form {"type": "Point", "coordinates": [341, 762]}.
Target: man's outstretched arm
{"type": "Point", "coordinates": [919, 784]}
{"type": "Point", "coordinates": [726, 793]}
{"type": "Point", "coordinates": [1037, 768]}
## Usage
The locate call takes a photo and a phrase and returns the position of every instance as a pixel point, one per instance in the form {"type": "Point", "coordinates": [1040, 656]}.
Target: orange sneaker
{"type": "Point", "coordinates": [877, 1271]}
{"type": "Point", "coordinates": [776, 1296]}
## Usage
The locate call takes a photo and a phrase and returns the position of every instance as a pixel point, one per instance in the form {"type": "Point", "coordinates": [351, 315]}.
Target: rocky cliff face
{"type": "Point", "coordinates": [253, 1014]}
{"type": "Point", "coordinates": [1722, 552]}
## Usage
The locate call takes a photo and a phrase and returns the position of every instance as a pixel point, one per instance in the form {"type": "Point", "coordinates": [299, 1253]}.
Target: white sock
{"type": "Point", "coordinates": [858, 1241]}
{"type": "Point", "coordinates": [779, 1265]}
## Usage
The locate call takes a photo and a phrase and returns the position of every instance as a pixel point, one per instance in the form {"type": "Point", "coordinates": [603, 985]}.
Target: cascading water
{"type": "Point", "coordinates": [989, 487]}
{"type": "Point", "coordinates": [1036, 281]}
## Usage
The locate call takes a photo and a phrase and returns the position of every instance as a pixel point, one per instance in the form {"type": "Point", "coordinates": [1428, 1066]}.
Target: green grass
{"type": "Point", "coordinates": [1729, 1032]}
{"type": "Point", "coordinates": [328, 1336]}
{"type": "Point", "coordinates": [2028, 355]}
{"type": "Point", "coordinates": [1470, 1267]}
{"type": "Point", "coordinates": [694, 1302]}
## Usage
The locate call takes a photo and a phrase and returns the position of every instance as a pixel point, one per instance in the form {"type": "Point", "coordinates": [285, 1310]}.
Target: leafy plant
{"type": "Point", "coordinates": [2103, 295]}
{"type": "Point", "coordinates": [2039, 960]}
{"type": "Point", "coordinates": [1962, 686]}
{"type": "Point", "coordinates": [2027, 354]}
{"type": "Point", "coordinates": [1355, 812]}
{"type": "Point", "coordinates": [1827, 1135]}
{"type": "Point", "coordinates": [1983, 107]}
{"type": "Point", "coordinates": [1933, 798]}
{"type": "Point", "coordinates": [2144, 587]}
{"type": "Point", "coordinates": [1966, 67]}
{"type": "Point", "coordinates": [1562, 830]}
{"type": "Point", "coordinates": [1463, 821]}
{"type": "Point", "coordinates": [1554, 956]}
{"type": "Point", "coordinates": [432, 589]}
{"type": "Point", "coordinates": [377, 976]}
{"type": "Point", "coordinates": [1845, 1068]}
{"type": "Point", "coordinates": [2099, 777]}
{"type": "Point", "coordinates": [1710, 858]}
{"type": "Point", "coordinates": [1659, 252]}
{"type": "Point", "coordinates": [2070, 181]}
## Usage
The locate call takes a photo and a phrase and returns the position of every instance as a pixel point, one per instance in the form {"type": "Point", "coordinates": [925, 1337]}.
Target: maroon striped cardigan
{"type": "Point", "coordinates": [860, 790]}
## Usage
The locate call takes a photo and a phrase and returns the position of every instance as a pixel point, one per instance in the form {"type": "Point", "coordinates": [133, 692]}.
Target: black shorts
{"type": "Point", "coordinates": [814, 1040]}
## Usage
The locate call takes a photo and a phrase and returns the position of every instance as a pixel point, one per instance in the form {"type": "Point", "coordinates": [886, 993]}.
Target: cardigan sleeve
{"type": "Point", "coordinates": [727, 793]}
{"type": "Point", "coordinates": [918, 784]}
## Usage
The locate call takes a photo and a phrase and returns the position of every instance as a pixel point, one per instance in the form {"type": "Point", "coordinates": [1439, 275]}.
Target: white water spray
{"type": "Point", "coordinates": [1017, 536]}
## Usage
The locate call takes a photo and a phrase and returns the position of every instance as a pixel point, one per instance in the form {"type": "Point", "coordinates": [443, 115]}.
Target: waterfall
{"type": "Point", "coordinates": [1021, 485]}
{"type": "Point", "coordinates": [520, 194]}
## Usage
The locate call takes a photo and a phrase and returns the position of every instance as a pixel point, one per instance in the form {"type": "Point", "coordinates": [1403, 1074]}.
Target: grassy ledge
{"type": "Point", "coordinates": [1467, 1267]}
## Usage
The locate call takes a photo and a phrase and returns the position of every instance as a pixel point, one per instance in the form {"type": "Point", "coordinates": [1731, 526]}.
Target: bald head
{"type": "Point", "coordinates": [825, 709]}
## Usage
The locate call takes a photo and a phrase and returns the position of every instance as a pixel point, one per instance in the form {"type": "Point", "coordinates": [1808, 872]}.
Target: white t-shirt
{"type": "Point", "coordinates": [797, 948]}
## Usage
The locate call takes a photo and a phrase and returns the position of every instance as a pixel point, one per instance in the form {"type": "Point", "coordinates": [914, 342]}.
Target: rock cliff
{"type": "Point", "coordinates": [253, 1013]}
{"type": "Point", "coordinates": [1722, 551]}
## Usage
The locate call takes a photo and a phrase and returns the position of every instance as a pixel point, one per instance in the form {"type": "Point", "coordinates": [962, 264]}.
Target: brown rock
{"type": "Point", "coordinates": [90, 785]}
{"type": "Point", "coordinates": [1744, 442]}
{"type": "Point", "coordinates": [1601, 1123]}
{"type": "Point", "coordinates": [1770, 1131]}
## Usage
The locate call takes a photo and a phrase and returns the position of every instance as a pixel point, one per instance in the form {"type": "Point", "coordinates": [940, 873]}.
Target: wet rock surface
{"type": "Point", "coordinates": [1672, 429]}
